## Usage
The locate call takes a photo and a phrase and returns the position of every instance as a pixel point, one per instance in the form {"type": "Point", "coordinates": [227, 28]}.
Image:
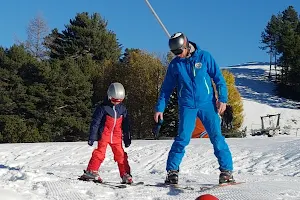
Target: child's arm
{"type": "Point", "coordinates": [126, 129]}
{"type": "Point", "coordinates": [95, 123]}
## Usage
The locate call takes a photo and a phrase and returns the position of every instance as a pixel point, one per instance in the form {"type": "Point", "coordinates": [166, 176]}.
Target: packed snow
{"type": "Point", "coordinates": [268, 166]}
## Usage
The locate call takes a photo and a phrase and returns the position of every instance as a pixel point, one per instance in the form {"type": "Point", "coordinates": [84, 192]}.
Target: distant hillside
{"type": "Point", "coordinates": [260, 99]}
{"type": "Point", "coordinates": [250, 64]}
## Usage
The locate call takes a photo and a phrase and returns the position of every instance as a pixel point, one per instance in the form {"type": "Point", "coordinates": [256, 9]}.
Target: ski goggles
{"type": "Point", "coordinates": [178, 51]}
{"type": "Point", "coordinates": [116, 100]}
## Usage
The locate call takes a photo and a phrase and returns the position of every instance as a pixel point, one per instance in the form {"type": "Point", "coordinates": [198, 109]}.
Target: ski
{"type": "Point", "coordinates": [205, 187]}
{"type": "Point", "coordinates": [112, 184]}
{"type": "Point", "coordinates": [174, 186]}
{"type": "Point", "coordinates": [181, 187]}
{"type": "Point", "coordinates": [121, 185]}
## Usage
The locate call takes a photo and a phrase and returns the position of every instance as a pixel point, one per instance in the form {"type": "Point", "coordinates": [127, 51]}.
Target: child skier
{"type": "Point", "coordinates": [109, 125]}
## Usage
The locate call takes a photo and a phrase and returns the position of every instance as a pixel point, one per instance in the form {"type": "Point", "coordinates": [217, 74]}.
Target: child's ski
{"type": "Point", "coordinates": [121, 185]}
{"type": "Point", "coordinates": [112, 184]}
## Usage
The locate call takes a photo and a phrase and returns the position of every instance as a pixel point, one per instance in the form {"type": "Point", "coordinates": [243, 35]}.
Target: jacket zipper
{"type": "Point", "coordinates": [180, 90]}
{"type": "Point", "coordinates": [113, 128]}
{"type": "Point", "coordinates": [206, 86]}
{"type": "Point", "coordinates": [193, 82]}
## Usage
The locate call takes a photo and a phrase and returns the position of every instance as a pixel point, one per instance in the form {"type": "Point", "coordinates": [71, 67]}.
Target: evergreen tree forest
{"type": "Point", "coordinates": [51, 83]}
{"type": "Point", "coordinates": [281, 39]}
{"type": "Point", "coordinates": [50, 86]}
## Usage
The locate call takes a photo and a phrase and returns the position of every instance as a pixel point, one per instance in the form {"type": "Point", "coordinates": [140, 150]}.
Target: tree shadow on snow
{"type": "Point", "coordinates": [9, 168]}
{"type": "Point", "coordinates": [254, 85]}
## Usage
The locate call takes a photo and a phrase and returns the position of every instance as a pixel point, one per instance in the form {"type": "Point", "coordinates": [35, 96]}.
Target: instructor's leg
{"type": "Point", "coordinates": [187, 120]}
{"type": "Point", "coordinates": [211, 121]}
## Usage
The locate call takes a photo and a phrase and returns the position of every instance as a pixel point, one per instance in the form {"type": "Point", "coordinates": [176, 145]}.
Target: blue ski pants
{"type": "Point", "coordinates": [211, 121]}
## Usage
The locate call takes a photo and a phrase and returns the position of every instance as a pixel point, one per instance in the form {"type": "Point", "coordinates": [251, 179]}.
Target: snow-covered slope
{"type": "Point", "coordinates": [48, 171]}
{"type": "Point", "coordinates": [259, 99]}
{"type": "Point", "coordinates": [270, 167]}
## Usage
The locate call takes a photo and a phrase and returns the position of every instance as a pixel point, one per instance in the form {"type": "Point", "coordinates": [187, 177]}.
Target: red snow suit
{"type": "Point", "coordinates": [109, 126]}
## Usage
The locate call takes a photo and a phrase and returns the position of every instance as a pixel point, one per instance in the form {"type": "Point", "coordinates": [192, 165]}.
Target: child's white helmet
{"type": "Point", "coordinates": [116, 91]}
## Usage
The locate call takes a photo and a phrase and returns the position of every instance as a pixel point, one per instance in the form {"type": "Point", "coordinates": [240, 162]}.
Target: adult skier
{"type": "Point", "coordinates": [191, 72]}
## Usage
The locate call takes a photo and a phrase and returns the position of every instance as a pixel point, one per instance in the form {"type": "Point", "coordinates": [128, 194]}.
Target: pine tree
{"type": "Point", "coordinates": [85, 35]}
{"type": "Point", "coordinates": [68, 101]}
{"type": "Point", "coordinates": [270, 38]}
{"type": "Point", "coordinates": [21, 84]}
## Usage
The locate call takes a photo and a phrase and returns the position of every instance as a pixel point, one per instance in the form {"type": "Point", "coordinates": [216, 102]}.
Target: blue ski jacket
{"type": "Point", "coordinates": [192, 78]}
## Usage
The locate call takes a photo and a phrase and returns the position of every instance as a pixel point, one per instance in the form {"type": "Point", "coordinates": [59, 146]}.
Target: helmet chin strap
{"type": "Point", "coordinates": [188, 47]}
{"type": "Point", "coordinates": [191, 49]}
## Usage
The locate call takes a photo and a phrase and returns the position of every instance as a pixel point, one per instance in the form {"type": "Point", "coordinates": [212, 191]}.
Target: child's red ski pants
{"type": "Point", "coordinates": [120, 157]}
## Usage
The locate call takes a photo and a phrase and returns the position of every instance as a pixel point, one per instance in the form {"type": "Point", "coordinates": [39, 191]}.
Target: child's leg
{"type": "Point", "coordinates": [126, 164]}
{"type": "Point", "coordinates": [121, 158]}
{"type": "Point", "coordinates": [98, 156]}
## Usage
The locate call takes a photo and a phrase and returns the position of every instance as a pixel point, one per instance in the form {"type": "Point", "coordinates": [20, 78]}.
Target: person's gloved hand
{"type": "Point", "coordinates": [127, 143]}
{"type": "Point", "coordinates": [91, 142]}
{"type": "Point", "coordinates": [156, 128]}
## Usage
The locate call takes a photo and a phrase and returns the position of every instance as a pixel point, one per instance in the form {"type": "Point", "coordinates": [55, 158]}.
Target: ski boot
{"type": "Point", "coordinates": [226, 177]}
{"type": "Point", "coordinates": [127, 179]}
{"type": "Point", "coordinates": [172, 177]}
{"type": "Point", "coordinates": [89, 175]}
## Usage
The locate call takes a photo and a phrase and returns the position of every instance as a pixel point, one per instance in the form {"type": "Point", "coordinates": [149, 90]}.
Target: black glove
{"type": "Point", "coordinates": [127, 143]}
{"type": "Point", "coordinates": [156, 128]}
{"type": "Point", "coordinates": [91, 142]}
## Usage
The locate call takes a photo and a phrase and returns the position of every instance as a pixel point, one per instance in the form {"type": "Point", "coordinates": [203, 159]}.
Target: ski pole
{"type": "Point", "coordinates": [160, 22]}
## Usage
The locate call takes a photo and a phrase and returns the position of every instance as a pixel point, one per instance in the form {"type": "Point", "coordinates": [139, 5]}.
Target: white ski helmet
{"type": "Point", "coordinates": [116, 92]}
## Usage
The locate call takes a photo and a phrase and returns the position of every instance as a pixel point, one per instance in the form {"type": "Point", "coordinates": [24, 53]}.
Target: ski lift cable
{"type": "Point", "coordinates": [158, 19]}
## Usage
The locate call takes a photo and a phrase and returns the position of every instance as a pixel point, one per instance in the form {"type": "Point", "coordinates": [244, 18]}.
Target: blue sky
{"type": "Point", "coordinates": [230, 30]}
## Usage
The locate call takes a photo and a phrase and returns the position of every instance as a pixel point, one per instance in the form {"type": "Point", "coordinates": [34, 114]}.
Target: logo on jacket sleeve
{"type": "Point", "coordinates": [198, 65]}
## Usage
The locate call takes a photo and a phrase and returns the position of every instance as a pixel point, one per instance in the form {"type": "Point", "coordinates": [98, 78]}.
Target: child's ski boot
{"type": "Point", "coordinates": [226, 177]}
{"type": "Point", "coordinates": [172, 177]}
{"type": "Point", "coordinates": [89, 175]}
{"type": "Point", "coordinates": [127, 179]}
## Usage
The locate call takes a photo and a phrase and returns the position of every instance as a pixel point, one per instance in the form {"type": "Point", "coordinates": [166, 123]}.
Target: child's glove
{"type": "Point", "coordinates": [127, 139]}
{"type": "Point", "coordinates": [91, 142]}
{"type": "Point", "coordinates": [127, 143]}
